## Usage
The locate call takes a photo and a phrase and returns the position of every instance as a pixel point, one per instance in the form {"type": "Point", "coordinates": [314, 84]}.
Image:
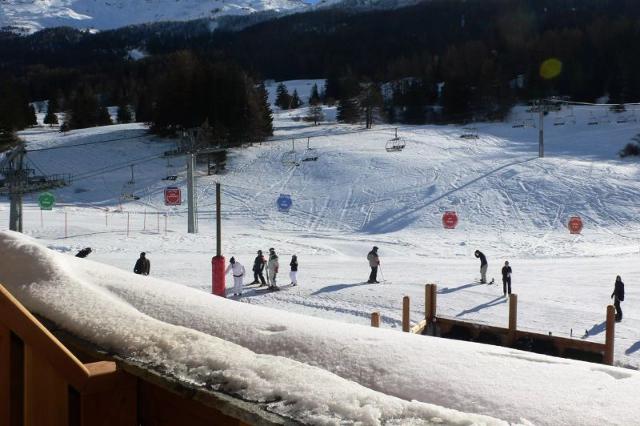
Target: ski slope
{"type": "Point", "coordinates": [512, 206]}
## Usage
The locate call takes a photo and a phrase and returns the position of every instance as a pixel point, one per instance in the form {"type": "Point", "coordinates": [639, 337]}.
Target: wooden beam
{"type": "Point", "coordinates": [610, 335]}
{"type": "Point", "coordinates": [513, 319]}
{"type": "Point", "coordinates": [14, 316]}
{"type": "Point", "coordinates": [45, 392]}
{"type": "Point", "coordinates": [375, 319]}
{"type": "Point", "coordinates": [110, 397]}
{"type": "Point", "coordinates": [5, 375]}
{"type": "Point", "coordinates": [406, 321]}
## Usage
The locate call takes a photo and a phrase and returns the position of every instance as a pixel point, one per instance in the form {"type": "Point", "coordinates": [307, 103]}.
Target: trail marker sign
{"type": "Point", "coordinates": [575, 225]}
{"type": "Point", "coordinates": [172, 196]}
{"type": "Point", "coordinates": [46, 201]}
{"type": "Point", "coordinates": [449, 220]}
{"type": "Point", "coordinates": [284, 202]}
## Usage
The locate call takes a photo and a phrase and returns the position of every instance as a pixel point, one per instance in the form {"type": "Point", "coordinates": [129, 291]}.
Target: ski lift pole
{"type": "Point", "coordinates": [541, 130]}
{"type": "Point", "coordinates": [218, 286]}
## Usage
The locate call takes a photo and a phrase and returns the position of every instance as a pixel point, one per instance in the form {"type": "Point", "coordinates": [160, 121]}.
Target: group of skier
{"type": "Point", "coordinates": [260, 263]}
{"type": "Point", "coordinates": [617, 295]}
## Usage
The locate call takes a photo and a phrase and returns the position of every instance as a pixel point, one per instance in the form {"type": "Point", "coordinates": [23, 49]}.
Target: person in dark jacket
{"type": "Point", "coordinates": [258, 268]}
{"type": "Point", "coordinates": [84, 252]}
{"type": "Point", "coordinates": [618, 296]}
{"type": "Point", "coordinates": [483, 266]}
{"type": "Point", "coordinates": [294, 270]}
{"type": "Point", "coordinates": [143, 266]}
{"type": "Point", "coordinates": [506, 278]}
{"type": "Point", "coordinates": [374, 263]}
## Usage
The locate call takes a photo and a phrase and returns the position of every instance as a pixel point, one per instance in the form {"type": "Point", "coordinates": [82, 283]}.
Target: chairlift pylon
{"type": "Point", "coordinates": [396, 144]}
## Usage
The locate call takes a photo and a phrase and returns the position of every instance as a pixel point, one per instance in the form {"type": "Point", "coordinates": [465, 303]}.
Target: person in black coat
{"type": "Point", "coordinates": [506, 278]}
{"type": "Point", "coordinates": [258, 267]}
{"type": "Point", "coordinates": [483, 266]}
{"type": "Point", "coordinates": [294, 270]}
{"type": "Point", "coordinates": [143, 266]}
{"type": "Point", "coordinates": [618, 296]}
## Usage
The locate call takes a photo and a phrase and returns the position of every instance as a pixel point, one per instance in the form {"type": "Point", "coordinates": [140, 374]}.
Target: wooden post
{"type": "Point", "coordinates": [513, 318]}
{"type": "Point", "coordinates": [406, 304]}
{"type": "Point", "coordinates": [430, 295]}
{"type": "Point", "coordinates": [375, 319]}
{"type": "Point", "coordinates": [610, 335]}
{"type": "Point", "coordinates": [65, 225]}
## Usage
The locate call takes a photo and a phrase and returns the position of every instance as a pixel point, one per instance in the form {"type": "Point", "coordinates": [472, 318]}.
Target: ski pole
{"type": "Point", "coordinates": [381, 274]}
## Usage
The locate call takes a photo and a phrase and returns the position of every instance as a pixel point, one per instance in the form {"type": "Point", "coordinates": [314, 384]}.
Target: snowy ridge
{"type": "Point", "coordinates": [33, 15]}
{"type": "Point", "coordinates": [318, 371]}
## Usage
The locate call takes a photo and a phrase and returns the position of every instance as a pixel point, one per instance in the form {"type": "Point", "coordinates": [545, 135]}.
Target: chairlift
{"type": "Point", "coordinates": [605, 118]}
{"type": "Point", "coordinates": [593, 120]}
{"type": "Point", "coordinates": [311, 154]}
{"type": "Point", "coordinates": [529, 122]}
{"type": "Point", "coordinates": [396, 144]}
{"type": "Point", "coordinates": [129, 188]}
{"type": "Point", "coordinates": [290, 158]}
{"type": "Point", "coordinates": [171, 176]}
{"type": "Point", "coordinates": [469, 133]}
{"type": "Point", "coordinates": [559, 121]}
{"type": "Point", "coordinates": [518, 124]}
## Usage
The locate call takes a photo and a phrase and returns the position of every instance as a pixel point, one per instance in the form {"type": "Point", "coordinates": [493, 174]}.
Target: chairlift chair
{"type": "Point", "coordinates": [529, 122]}
{"type": "Point", "coordinates": [290, 158]}
{"type": "Point", "coordinates": [559, 121]}
{"type": "Point", "coordinates": [311, 154]}
{"type": "Point", "coordinates": [518, 124]}
{"type": "Point", "coordinates": [395, 144]}
{"type": "Point", "coordinates": [593, 121]}
{"type": "Point", "coordinates": [469, 133]}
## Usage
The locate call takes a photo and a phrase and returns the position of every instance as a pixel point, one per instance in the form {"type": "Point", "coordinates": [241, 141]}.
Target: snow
{"type": "Point", "coordinates": [33, 15]}
{"type": "Point", "coordinates": [512, 206]}
{"type": "Point", "coordinates": [319, 371]}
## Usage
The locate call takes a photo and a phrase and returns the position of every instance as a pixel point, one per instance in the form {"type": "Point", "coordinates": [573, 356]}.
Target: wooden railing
{"type": "Point", "coordinates": [512, 337]}
{"type": "Point", "coordinates": [42, 383]}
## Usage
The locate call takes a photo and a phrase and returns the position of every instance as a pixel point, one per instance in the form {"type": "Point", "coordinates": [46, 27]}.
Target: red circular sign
{"type": "Point", "coordinates": [172, 196]}
{"type": "Point", "coordinates": [449, 220]}
{"type": "Point", "coordinates": [575, 224]}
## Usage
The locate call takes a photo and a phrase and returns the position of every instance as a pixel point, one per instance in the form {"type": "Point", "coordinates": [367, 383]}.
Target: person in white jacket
{"type": "Point", "coordinates": [237, 271]}
{"type": "Point", "coordinates": [272, 268]}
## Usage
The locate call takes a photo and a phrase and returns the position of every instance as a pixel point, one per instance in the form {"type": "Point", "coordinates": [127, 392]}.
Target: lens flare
{"type": "Point", "coordinates": [551, 68]}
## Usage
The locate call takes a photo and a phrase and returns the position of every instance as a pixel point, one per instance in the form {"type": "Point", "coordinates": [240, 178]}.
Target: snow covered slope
{"type": "Point", "coordinates": [32, 15]}
{"type": "Point", "coordinates": [316, 371]}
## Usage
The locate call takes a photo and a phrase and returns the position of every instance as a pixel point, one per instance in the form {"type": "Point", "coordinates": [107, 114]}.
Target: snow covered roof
{"type": "Point", "coordinates": [313, 370]}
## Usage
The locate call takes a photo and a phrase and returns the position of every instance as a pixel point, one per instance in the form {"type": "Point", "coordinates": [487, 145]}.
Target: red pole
{"type": "Point", "coordinates": [218, 286]}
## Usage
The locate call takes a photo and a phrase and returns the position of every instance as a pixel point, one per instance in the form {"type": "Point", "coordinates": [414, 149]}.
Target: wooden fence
{"type": "Point", "coordinates": [42, 383]}
{"type": "Point", "coordinates": [433, 325]}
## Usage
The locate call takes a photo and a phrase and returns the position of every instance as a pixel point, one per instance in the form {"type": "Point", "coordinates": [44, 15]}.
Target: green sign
{"type": "Point", "coordinates": [46, 201]}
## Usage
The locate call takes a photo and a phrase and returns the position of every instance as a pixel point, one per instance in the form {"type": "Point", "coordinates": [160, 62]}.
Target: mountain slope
{"type": "Point", "coordinates": [33, 15]}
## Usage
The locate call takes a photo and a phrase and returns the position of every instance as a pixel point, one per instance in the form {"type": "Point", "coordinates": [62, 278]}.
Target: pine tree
{"type": "Point", "coordinates": [124, 114]}
{"type": "Point", "coordinates": [315, 114]}
{"type": "Point", "coordinates": [103, 118]}
{"type": "Point", "coordinates": [51, 118]}
{"type": "Point", "coordinates": [265, 109]}
{"type": "Point", "coordinates": [283, 99]}
{"type": "Point", "coordinates": [295, 100]}
{"type": "Point", "coordinates": [371, 102]}
{"type": "Point", "coordinates": [32, 118]}
{"type": "Point", "coordinates": [8, 139]}
{"type": "Point", "coordinates": [348, 111]}
{"type": "Point", "coordinates": [314, 99]}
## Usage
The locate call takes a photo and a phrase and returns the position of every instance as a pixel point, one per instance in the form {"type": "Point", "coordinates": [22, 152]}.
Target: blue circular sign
{"type": "Point", "coordinates": [284, 202]}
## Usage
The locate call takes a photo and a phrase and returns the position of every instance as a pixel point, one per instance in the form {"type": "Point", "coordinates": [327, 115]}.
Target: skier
{"type": "Point", "coordinates": [483, 266]}
{"type": "Point", "coordinates": [272, 268]}
{"type": "Point", "coordinates": [237, 270]}
{"type": "Point", "coordinates": [294, 270]}
{"type": "Point", "coordinates": [258, 267]}
{"type": "Point", "coordinates": [506, 278]}
{"type": "Point", "coordinates": [374, 263]}
{"type": "Point", "coordinates": [143, 266]}
{"type": "Point", "coordinates": [84, 252]}
{"type": "Point", "coordinates": [618, 296]}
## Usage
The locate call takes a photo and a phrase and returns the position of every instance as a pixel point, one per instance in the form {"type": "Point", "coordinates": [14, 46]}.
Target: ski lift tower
{"type": "Point", "coordinates": [543, 106]}
{"type": "Point", "coordinates": [19, 180]}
